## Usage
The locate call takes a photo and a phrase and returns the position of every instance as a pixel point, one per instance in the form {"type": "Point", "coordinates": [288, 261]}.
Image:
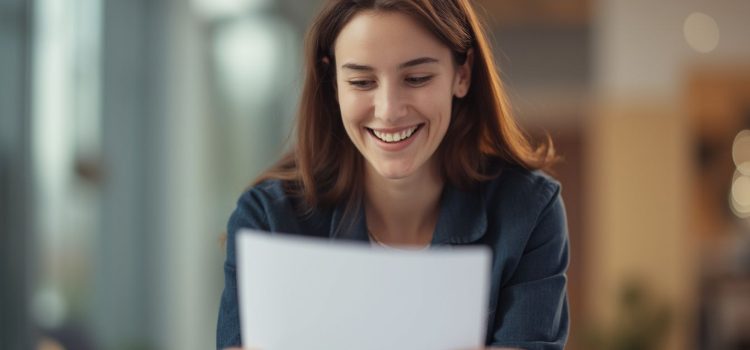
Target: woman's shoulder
{"type": "Point", "coordinates": [262, 204]}
{"type": "Point", "coordinates": [263, 194]}
{"type": "Point", "coordinates": [268, 190]}
{"type": "Point", "coordinates": [273, 205]}
{"type": "Point", "coordinates": [515, 178]}
{"type": "Point", "coordinates": [522, 187]}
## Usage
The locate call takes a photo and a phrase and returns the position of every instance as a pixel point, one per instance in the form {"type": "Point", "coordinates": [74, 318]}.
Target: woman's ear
{"type": "Point", "coordinates": [463, 75]}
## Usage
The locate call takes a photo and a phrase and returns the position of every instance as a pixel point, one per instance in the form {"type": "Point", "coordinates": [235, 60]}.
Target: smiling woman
{"type": "Point", "coordinates": [405, 139]}
{"type": "Point", "coordinates": [404, 84]}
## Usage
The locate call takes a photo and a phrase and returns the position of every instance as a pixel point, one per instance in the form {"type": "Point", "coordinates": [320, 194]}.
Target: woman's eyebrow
{"type": "Point", "coordinates": [417, 61]}
{"type": "Point", "coordinates": [410, 63]}
{"type": "Point", "coordinates": [358, 67]}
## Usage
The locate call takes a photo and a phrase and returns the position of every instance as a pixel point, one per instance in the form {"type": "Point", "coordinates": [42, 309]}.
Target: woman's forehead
{"type": "Point", "coordinates": [385, 40]}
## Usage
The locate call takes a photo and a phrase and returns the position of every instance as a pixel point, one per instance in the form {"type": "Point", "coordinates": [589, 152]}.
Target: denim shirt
{"type": "Point", "coordinates": [519, 214]}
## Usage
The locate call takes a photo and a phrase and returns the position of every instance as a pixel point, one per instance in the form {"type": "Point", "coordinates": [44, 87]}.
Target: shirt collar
{"type": "Point", "coordinates": [462, 220]}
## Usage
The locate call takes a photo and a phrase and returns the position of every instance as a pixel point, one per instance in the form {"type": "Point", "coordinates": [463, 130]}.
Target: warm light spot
{"type": "Point", "coordinates": [741, 152]}
{"type": "Point", "coordinates": [741, 195]}
{"type": "Point", "coordinates": [701, 32]}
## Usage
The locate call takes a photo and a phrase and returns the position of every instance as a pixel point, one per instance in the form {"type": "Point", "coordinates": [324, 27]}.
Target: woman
{"type": "Point", "coordinates": [405, 139]}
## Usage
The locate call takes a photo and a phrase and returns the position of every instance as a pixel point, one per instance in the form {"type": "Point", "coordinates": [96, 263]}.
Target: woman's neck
{"type": "Point", "coordinates": [403, 211]}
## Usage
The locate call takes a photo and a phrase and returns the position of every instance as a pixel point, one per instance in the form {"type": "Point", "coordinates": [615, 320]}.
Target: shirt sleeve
{"type": "Point", "coordinates": [248, 214]}
{"type": "Point", "coordinates": [532, 306]}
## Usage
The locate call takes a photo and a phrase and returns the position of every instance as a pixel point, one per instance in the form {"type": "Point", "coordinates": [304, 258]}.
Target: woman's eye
{"type": "Point", "coordinates": [418, 80]}
{"type": "Point", "coordinates": [362, 84]}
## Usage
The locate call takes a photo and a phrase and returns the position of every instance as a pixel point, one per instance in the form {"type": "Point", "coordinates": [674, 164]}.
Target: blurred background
{"type": "Point", "coordinates": [129, 128]}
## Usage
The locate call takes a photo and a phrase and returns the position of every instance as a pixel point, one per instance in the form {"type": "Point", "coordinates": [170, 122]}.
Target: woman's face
{"type": "Point", "coordinates": [395, 84]}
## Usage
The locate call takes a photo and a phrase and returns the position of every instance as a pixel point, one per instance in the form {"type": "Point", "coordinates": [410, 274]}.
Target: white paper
{"type": "Point", "coordinates": [307, 293]}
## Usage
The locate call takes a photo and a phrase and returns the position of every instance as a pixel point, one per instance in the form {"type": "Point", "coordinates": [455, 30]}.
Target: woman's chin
{"type": "Point", "coordinates": [394, 175]}
{"type": "Point", "coordinates": [394, 171]}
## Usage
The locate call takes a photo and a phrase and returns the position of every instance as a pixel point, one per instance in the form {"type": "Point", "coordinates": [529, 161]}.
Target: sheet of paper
{"type": "Point", "coordinates": [306, 293]}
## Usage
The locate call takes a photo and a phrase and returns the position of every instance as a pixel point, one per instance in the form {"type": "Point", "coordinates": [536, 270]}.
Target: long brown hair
{"type": "Point", "coordinates": [324, 168]}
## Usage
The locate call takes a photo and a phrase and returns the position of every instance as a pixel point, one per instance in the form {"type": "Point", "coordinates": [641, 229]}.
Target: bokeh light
{"type": "Point", "coordinates": [740, 195]}
{"type": "Point", "coordinates": [701, 32]}
{"type": "Point", "coordinates": [741, 152]}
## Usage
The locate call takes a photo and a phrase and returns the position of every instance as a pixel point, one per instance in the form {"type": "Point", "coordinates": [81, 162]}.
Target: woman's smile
{"type": "Point", "coordinates": [394, 139]}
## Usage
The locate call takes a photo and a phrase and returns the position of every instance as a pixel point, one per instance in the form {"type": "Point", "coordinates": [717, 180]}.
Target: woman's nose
{"type": "Point", "coordinates": [390, 104]}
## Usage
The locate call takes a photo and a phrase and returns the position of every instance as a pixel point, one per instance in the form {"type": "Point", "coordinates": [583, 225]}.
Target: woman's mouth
{"type": "Point", "coordinates": [397, 136]}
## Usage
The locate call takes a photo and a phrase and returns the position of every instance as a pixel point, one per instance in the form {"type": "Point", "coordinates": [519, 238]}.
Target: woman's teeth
{"type": "Point", "coordinates": [395, 137]}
